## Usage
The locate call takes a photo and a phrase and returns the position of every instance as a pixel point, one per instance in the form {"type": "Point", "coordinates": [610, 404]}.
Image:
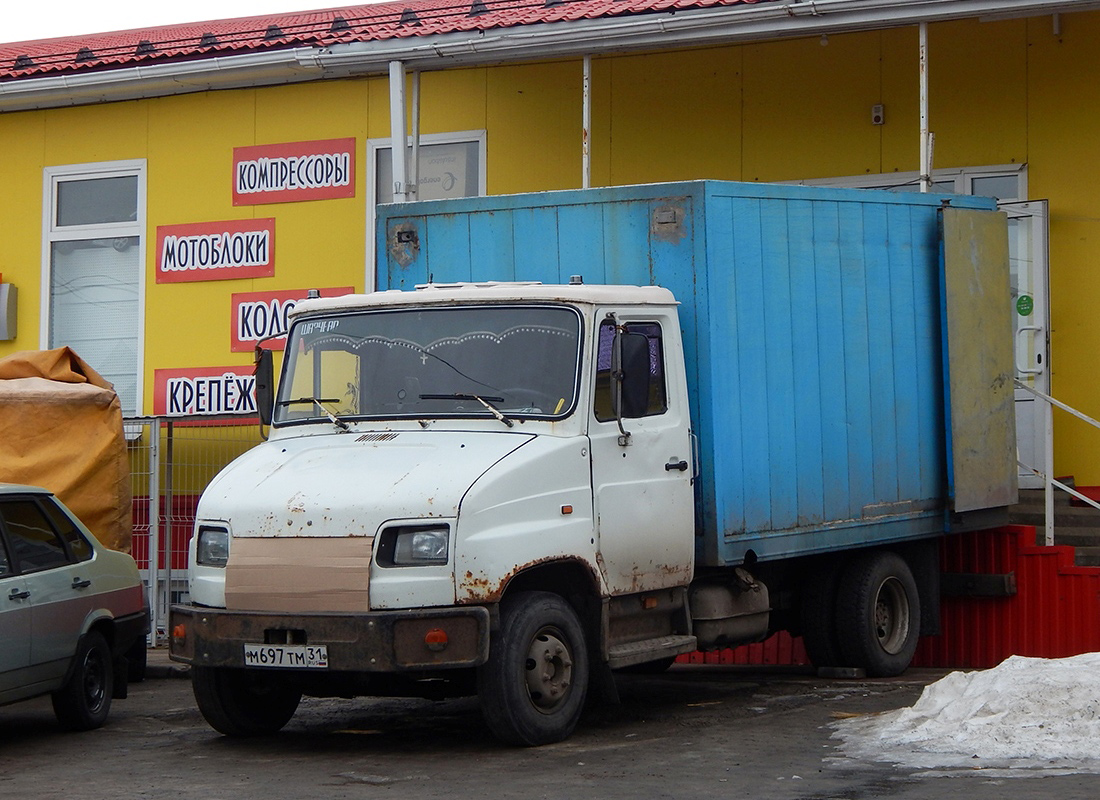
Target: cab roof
{"type": "Point", "coordinates": [490, 292]}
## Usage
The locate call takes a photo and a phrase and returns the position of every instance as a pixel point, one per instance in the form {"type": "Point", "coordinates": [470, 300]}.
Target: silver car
{"type": "Point", "coordinates": [70, 610]}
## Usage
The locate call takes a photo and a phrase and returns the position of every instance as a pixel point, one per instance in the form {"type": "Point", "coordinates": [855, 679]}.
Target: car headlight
{"type": "Point", "coordinates": [413, 546]}
{"type": "Point", "coordinates": [212, 548]}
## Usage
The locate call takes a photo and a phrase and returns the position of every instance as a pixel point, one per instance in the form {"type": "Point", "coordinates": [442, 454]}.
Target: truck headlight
{"type": "Point", "coordinates": [212, 548]}
{"type": "Point", "coordinates": [411, 546]}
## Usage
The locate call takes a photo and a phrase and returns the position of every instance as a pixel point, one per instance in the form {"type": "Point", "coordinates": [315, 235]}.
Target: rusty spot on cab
{"type": "Point", "coordinates": [481, 590]}
{"type": "Point", "coordinates": [404, 243]}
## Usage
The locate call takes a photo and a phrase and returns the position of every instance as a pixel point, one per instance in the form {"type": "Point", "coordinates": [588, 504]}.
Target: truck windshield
{"type": "Point", "coordinates": [509, 362]}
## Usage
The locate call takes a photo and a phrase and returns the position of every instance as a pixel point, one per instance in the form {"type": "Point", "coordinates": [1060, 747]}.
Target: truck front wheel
{"type": "Point", "coordinates": [533, 687]}
{"type": "Point", "coordinates": [878, 614]}
{"type": "Point", "coordinates": [240, 702]}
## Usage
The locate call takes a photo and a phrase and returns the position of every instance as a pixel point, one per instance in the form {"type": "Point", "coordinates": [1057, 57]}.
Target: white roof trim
{"type": "Point", "coordinates": [684, 28]}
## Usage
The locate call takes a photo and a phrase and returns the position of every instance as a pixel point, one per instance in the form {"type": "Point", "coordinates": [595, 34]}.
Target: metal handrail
{"type": "Point", "coordinates": [1049, 482]}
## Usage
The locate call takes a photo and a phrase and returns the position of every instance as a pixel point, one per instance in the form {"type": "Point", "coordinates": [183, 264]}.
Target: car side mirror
{"type": "Point", "coordinates": [635, 375]}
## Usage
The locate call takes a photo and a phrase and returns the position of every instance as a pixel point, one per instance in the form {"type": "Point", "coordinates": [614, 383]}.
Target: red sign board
{"type": "Point", "coordinates": [204, 391]}
{"type": "Point", "coordinates": [215, 251]}
{"type": "Point", "coordinates": [259, 315]}
{"type": "Point", "coordinates": [292, 172]}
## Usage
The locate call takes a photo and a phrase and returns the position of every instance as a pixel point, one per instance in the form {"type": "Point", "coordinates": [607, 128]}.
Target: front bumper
{"type": "Point", "coordinates": [381, 641]}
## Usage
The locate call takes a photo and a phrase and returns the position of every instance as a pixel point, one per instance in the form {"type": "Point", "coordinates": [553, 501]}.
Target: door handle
{"type": "Point", "coordinates": [1020, 333]}
{"type": "Point", "coordinates": [680, 465]}
{"type": "Point", "coordinates": [81, 584]}
{"type": "Point", "coordinates": [15, 594]}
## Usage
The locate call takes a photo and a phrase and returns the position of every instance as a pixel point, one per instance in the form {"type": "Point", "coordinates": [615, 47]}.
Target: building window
{"type": "Point", "coordinates": [1005, 183]}
{"type": "Point", "coordinates": [450, 165]}
{"type": "Point", "coordinates": [93, 253]}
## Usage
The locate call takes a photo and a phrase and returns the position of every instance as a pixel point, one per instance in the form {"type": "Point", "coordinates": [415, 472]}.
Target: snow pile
{"type": "Point", "coordinates": [1024, 713]}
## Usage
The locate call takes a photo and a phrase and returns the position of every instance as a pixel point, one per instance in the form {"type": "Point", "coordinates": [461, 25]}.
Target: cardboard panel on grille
{"type": "Point", "coordinates": [296, 574]}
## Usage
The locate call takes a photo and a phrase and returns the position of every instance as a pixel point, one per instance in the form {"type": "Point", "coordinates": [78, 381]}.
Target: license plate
{"type": "Point", "coordinates": [301, 656]}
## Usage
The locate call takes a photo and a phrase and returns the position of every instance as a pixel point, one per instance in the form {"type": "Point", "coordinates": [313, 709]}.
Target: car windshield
{"type": "Point", "coordinates": [508, 362]}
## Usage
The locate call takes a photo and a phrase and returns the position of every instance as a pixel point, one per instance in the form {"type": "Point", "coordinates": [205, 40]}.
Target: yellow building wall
{"type": "Point", "coordinates": [1003, 92]}
{"type": "Point", "coordinates": [1063, 123]}
{"type": "Point", "coordinates": [22, 137]}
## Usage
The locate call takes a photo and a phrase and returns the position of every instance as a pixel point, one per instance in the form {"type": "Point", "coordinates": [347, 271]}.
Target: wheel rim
{"type": "Point", "coordinates": [892, 616]}
{"type": "Point", "coordinates": [95, 680]}
{"type": "Point", "coordinates": [548, 669]}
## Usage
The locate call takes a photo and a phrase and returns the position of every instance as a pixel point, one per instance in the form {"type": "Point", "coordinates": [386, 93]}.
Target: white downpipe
{"type": "Point", "coordinates": [586, 125]}
{"type": "Point", "coordinates": [925, 134]}
{"type": "Point", "coordinates": [1048, 474]}
{"type": "Point", "coordinates": [414, 156]}
{"type": "Point", "coordinates": [398, 137]}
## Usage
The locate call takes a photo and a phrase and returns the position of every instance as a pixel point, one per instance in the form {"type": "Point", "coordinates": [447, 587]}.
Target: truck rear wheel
{"type": "Point", "coordinates": [878, 614]}
{"type": "Point", "coordinates": [533, 687]}
{"type": "Point", "coordinates": [243, 702]}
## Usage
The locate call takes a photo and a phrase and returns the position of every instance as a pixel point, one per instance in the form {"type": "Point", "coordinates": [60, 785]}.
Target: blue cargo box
{"type": "Point", "coordinates": [814, 322]}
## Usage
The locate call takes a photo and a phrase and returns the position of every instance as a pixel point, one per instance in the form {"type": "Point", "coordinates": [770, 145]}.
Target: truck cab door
{"type": "Point", "coordinates": [642, 465]}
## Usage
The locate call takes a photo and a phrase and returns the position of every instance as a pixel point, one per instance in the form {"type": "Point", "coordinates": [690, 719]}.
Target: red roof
{"type": "Point", "coordinates": [362, 23]}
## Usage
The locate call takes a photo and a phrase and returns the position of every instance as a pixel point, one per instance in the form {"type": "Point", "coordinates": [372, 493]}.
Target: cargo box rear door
{"type": "Point", "coordinates": [978, 359]}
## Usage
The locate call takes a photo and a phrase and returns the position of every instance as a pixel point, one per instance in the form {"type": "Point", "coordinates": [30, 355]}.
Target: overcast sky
{"type": "Point", "coordinates": [22, 20]}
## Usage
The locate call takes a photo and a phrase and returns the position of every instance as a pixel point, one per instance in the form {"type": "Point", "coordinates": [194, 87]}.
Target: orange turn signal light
{"type": "Point", "coordinates": [436, 640]}
{"type": "Point", "coordinates": [179, 632]}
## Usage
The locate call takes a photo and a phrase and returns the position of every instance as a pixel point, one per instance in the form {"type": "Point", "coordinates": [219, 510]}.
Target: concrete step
{"type": "Point", "coordinates": [1031, 510]}
{"type": "Point", "coordinates": [1087, 556]}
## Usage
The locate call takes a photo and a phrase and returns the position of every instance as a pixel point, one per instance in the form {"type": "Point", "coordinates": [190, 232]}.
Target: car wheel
{"type": "Point", "coordinates": [243, 702]}
{"type": "Point", "coordinates": [85, 700]}
{"type": "Point", "coordinates": [533, 687]}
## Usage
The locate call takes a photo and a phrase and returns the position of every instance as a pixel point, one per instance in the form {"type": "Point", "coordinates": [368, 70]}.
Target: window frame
{"type": "Point", "coordinates": [52, 233]}
{"type": "Point", "coordinates": [662, 360]}
{"type": "Point", "coordinates": [15, 563]}
{"type": "Point", "coordinates": [289, 380]}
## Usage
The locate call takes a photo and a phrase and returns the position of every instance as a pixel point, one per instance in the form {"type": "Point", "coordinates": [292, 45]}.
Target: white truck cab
{"type": "Point", "coordinates": [432, 455]}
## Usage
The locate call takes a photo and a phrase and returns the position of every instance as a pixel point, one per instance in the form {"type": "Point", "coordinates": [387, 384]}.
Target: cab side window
{"type": "Point", "coordinates": [35, 545]}
{"type": "Point", "coordinates": [657, 402]}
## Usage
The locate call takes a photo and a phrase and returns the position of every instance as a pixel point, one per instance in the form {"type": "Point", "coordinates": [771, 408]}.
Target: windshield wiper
{"type": "Point", "coordinates": [317, 401]}
{"type": "Point", "coordinates": [483, 400]}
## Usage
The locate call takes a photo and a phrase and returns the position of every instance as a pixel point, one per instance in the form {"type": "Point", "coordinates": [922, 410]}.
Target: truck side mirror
{"type": "Point", "coordinates": [265, 385]}
{"type": "Point", "coordinates": [630, 391]}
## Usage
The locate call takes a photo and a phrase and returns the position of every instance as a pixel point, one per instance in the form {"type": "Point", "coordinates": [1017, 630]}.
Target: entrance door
{"type": "Point", "coordinates": [1027, 248]}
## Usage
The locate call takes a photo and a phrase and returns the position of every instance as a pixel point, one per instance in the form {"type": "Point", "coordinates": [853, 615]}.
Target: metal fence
{"type": "Point", "coordinates": [171, 461]}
